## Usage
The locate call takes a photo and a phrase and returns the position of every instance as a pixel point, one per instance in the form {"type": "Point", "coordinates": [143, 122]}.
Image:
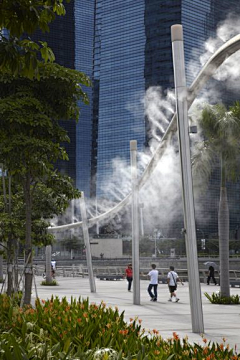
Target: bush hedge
{"type": "Point", "coordinates": [57, 329]}
{"type": "Point", "coordinates": [217, 298]}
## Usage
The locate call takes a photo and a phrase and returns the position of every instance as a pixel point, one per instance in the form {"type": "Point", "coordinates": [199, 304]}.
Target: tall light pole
{"type": "Point", "coordinates": [141, 206]}
{"type": "Point", "coordinates": [48, 264]}
{"type": "Point", "coordinates": [135, 223]}
{"type": "Point", "coordinates": [187, 187]}
{"type": "Point", "coordinates": [155, 242]}
{"type": "Point", "coordinates": [87, 243]}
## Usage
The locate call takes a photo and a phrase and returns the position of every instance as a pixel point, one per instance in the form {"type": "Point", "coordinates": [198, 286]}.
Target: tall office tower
{"type": "Point", "coordinates": [84, 31]}
{"type": "Point", "coordinates": [132, 53]}
{"type": "Point", "coordinates": [119, 72]}
{"type": "Point", "coordinates": [71, 38]}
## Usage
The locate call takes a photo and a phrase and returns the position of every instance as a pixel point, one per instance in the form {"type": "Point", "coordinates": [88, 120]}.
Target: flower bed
{"type": "Point", "coordinates": [56, 329]}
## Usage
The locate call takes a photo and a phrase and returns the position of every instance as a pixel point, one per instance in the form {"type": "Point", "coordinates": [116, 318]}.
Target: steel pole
{"type": "Point", "coordinates": [97, 224]}
{"type": "Point", "coordinates": [48, 264]}
{"type": "Point", "coordinates": [141, 206]}
{"type": "Point", "coordinates": [187, 187]}
{"type": "Point", "coordinates": [155, 245]}
{"type": "Point", "coordinates": [135, 224]}
{"type": "Point", "coordinates": [87, 243]}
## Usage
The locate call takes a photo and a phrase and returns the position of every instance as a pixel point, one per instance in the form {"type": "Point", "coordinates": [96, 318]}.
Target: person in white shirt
{"type": "Point", "coordinates": [153, 283]}
{"type": "Point", "coordinates": [53, 267]}
{"type": "Point", "coordinates": [172, 280]}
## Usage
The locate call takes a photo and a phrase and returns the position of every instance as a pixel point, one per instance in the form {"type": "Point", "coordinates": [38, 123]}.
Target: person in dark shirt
{"type": "Point", "coordinates": [211, 275]}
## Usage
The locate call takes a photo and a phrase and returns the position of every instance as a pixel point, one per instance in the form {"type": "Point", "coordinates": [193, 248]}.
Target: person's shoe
{"type": "Point", "coordinates": [170, 299]}
{"type": "Point", "coordinates": [154, 299]}
{"type": "Point", "coordinates": [177, 299]}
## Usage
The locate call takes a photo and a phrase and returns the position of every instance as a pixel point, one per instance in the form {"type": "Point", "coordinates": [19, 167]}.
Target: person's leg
{"type": "Point", "coordinates": [208, 279]}
{"type": "Point", "coordinates": [129, 284]}
{"type": "Point", "coordinates": [214, 280]}
{"type": "Point", "coordinates": [176, 298]}
{"type": "Point", "coordinates": [150, 291]}
{"type": "Point", "coordinates": [155, 291]}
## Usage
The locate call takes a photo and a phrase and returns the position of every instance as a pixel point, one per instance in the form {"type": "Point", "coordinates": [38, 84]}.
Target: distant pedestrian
{"type": "Point", "coordinates": [172, 279]}
{"type": "Point", "coordinates": [153, 283]}
{"type": "Point", "coordinates": [53, 268]}
{"type": "Point", "coordinates": [211, 271]}
{"type": "Point", "coordinates": [129, 276]}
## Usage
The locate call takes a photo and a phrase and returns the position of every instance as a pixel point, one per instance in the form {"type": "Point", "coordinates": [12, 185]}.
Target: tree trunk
{"type": "Point", "coordinates": [9, 267]}
{"type": "Point", "coordinates": [28, 242]}
{"type": "Point", "coordinates": [16, 248]}
{"type": "Point", "coordinates": [223, 232]}
{"type": "Point", "coordinates": [1, 266]}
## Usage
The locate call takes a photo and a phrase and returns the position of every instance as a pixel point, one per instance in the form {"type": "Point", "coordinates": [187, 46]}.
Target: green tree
{"type": "Point", "coordinates": [221, 130]}
{"type": "Point", "coordinates": [50, 198]}
{"type": "Point", "coordinates": [18, 53]}
{"type": "Point", "coordinates": [30, 135]}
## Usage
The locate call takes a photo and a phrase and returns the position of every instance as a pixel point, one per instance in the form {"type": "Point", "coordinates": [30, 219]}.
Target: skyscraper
{"type": "Point", "coordinates": [119, 71]}
{"type": "Point", "coordinates": [125, 47]}
{"type": "Point", "coordinates": [71, 39]}
{"type": "Point", "coordinates": [132, 53]}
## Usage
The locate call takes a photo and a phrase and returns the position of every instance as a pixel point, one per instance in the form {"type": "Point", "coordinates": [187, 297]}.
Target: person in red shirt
{"type": "Point", "coordinates": [129, 276]}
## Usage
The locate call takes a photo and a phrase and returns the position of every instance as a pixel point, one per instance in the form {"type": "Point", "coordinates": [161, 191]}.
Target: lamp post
{"type": "Point", "coordinates": [187, 186]}
{"type": "Point", "coordinates": [155, 242]}
{"type": "Point", "coordinates": [87, 243]}
{"type": "Point", "coordinates": [203, 240]}
{"type": "Point", "coordinates": [141, 206]}
{"type": "Point", "coordinates": [135, 223]}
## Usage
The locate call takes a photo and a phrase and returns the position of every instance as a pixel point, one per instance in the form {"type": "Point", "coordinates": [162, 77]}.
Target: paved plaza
{"type": "Point", "coordinates": [220, 321]}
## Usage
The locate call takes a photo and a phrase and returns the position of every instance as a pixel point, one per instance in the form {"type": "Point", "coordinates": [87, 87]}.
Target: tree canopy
{"type": "Point", "coordinates": [18, 20]}
{"type": "Point", "coordinates": [220, 128]}
{"type": "Point", "coordinates": [31, 141]}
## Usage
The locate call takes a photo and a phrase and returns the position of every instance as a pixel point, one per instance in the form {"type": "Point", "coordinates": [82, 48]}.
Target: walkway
{"type": "Point", "coordinates": [220, 321]}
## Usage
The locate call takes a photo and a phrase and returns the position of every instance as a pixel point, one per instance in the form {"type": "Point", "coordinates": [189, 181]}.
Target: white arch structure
{"type": "Point", "coordinates": [216, 60]}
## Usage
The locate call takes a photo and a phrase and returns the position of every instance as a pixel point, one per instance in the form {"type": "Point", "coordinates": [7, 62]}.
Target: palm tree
{"type": "Point", "coordinates": [221, 133]}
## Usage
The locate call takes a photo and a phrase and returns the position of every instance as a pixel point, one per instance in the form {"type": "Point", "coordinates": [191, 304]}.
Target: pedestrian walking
{"type": "Point", "coordinates": [153, 283]}
{"type": "Point", "coordinates": [211, 275]}
{"type": "Point", "coordinates": [129, 276]}
{"type": "Point", "coordinates": [172, 279]}
{"type": "Point", "coordinates": [53, 268]}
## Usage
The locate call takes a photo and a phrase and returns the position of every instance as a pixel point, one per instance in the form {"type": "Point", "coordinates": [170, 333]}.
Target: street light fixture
{"type": "Point", "coordinates": [203, 240]}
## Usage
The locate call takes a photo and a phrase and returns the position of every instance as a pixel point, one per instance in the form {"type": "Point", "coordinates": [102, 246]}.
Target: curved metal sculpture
{"type": "Point", "coordinates": [216, 60]}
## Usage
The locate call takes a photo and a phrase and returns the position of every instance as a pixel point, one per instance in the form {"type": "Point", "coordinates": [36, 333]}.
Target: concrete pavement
{"type": "Point", "coordinates": [220, 321]}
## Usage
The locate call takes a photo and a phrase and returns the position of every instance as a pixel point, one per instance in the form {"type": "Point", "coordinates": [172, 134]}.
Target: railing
{"type": "Point", "coordinates": [113, 272]}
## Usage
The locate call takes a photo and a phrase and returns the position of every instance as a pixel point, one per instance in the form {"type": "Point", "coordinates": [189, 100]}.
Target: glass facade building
{"type": "Point", "coordinates": [84, 31]}
{"type": "Point", "coordinates": [119, 70]}
{"type": "Point", "coordinates": [125, 47]}
{"type": "Point", "coordinates": [71, 38]}
{"type": "Point", "coordinates": [132, 53]}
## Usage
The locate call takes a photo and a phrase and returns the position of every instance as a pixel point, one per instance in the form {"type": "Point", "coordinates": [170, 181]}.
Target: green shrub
{"type": "Point", "coordinates": [57, 329]}
{"type": "Point", "coordinates": [216, 298]}
{"type": "Point", "coordinates": [52, 283]}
